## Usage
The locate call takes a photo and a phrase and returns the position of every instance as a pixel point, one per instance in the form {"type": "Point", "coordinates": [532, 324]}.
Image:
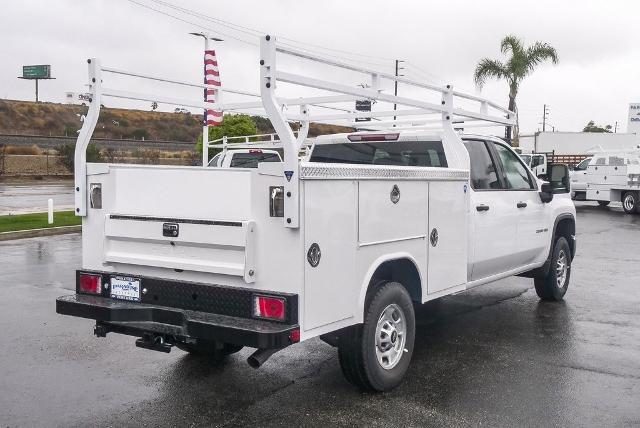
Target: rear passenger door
{"type": "Point", "coordinates": [492, 224]}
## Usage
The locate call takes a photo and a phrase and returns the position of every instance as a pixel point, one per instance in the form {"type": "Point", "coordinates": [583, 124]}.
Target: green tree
{"type": "Point", "coordinates": [233, 125]}
{"type": "Point", "coordinates": [592, 127]}
{"type": "Point", "coordinates": [521, 63]}
{"type": "Point", "coordinates": [67, 154]}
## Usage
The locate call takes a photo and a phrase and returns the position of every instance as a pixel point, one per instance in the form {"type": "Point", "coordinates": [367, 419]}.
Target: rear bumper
{"type": "Point", "coordinates": [175, 324]}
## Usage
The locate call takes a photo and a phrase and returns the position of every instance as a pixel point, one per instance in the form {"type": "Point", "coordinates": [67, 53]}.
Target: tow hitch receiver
{"type": "Point", "coordinates": [153, 342]}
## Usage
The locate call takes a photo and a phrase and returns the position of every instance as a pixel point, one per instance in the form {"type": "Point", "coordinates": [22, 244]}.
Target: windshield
{"type": "Point", "coordinates": [583, 165]}
{"type": "Point", "coordinates": [526, 159]}
{"type": "Point", "coordinates": [251, 160]}
{"type": "Point", "coordinates": [397, 153]}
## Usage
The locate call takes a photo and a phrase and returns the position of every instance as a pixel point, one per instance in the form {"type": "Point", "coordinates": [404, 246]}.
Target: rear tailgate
{"type": "Point", "coordinates": [188, 219]}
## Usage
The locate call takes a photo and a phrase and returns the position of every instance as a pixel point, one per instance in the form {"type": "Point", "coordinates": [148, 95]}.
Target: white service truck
{"type": "Point", "coordinates": [614, 176]}
{"type": "Point", "coordinates": [340, 246]}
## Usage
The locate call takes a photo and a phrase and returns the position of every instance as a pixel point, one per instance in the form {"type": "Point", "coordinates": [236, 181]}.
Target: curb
{"type": "Point", "coordinates": [34, 233]}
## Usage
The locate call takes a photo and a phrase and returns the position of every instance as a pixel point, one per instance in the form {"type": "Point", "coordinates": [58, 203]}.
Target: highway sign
{"type": "Point", "coordinates": [36, 71]}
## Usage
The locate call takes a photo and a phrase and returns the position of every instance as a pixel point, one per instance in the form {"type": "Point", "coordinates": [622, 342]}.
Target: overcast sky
{"type": "Point", "coordinates": [598, 43]}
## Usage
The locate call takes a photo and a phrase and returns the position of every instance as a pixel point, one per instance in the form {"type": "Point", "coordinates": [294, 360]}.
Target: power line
{"type": "Point", "coordinates": [258, 33]}
{"type": "Point", "coordinates": [191, 22]}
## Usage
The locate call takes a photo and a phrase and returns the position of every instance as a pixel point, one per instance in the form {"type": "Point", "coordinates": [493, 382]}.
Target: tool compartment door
{"type": "Point", "coordinates": [330, 216]}
{"type": "Point", "coordinates": [447, 241]}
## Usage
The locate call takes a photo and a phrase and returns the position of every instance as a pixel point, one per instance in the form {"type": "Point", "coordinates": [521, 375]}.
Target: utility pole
{"type": "Point", "coordinates": [205, 127]}
{"type": "Point", "coordinates": [395, 84]}
{"type": "Point", "coordinates": [615, 130]}
{"type": "Point", "coordinates": [544, 118]}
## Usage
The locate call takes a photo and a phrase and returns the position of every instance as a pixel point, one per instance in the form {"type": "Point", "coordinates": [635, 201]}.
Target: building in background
{"type": "Point", "coordinates": [577, 143]}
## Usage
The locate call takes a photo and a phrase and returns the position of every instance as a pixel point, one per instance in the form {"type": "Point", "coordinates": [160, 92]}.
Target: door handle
{"type": "Point", "coordinates": [482, 207]}
{"type": "Point", "coordinates": [521, 204]}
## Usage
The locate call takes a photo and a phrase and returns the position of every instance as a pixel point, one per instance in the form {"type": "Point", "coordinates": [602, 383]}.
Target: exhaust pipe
{"type": "Point", "coordinates": [259, 357]}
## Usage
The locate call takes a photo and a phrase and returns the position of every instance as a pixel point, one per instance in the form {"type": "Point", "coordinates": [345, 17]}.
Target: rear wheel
{"type": "Point", "coordinates": [603, 203]}
{"type": "Point", "coordinates": [554, 285]}
{"type": "Point", "coordinates": [375, 355]}
{"type": "Point", "coordinates": [630, 202]}
{"type": "Point", "coordinates": [214, 350]}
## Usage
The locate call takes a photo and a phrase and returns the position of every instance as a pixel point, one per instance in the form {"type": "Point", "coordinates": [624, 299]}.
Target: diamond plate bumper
{"type": "Point", "coordinates": [136, 319]}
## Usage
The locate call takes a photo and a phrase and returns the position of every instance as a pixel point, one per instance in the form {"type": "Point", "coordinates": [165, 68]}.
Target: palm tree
{"type": "Point", "coordinates": [522, 62]}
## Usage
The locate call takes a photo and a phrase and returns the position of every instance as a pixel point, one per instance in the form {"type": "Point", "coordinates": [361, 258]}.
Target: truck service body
{"type": "Point", "coordinates": [339, 245]}
{"type": "Point", "coordinates": [614, 176]}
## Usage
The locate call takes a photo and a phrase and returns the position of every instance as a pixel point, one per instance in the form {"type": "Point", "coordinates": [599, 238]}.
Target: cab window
{"type": "Point", "coordinates": [252, 159]}
{"type": "Point", "coordinates": [537, 160]}
{"type": "Point", "coordinates": [216, 158]}
{"type": "Point", "coordinates": [583, 165]}
{"type": "Point", "coordinates": [516, 175]}
{"type": "Point", "coordinates": [483, 170]}
{"type": "Point", "coordinates": [395, 153]}
{"type": "Point", "coordinates": [616, 160]}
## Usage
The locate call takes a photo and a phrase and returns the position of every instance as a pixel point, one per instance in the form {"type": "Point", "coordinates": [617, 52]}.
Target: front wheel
{"type": "Point", "coordinates": [375, 355]}
{"type": "Point", "coordinates": [554, 285]}
{"type": "Point", "coordinates": [630, 202]}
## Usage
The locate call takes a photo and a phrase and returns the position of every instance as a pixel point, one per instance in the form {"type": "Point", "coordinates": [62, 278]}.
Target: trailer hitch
{"type": "Point", "coordinates": [154, 342]}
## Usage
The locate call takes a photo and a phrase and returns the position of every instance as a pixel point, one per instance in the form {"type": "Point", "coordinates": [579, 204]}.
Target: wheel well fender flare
{"type": "Point", "coordinates": [562, 218]}
{"type": "Point", "coordinates": [375, 266]}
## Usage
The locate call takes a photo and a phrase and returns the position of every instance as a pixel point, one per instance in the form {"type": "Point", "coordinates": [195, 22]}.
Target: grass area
{"type": "Point", "coordinates": [10, 223]}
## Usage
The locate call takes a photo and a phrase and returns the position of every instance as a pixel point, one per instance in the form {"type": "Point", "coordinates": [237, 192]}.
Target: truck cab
{"type": "Point", "coordinates": [537, 162]}
{"type": "Point", "coordinates": [579, 180]}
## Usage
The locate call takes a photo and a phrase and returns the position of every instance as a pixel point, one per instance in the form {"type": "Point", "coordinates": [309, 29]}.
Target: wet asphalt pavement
{"type": "Point", "coordinates": [493, 356]}
{"type": "Point", "coordinates": [31, 197]}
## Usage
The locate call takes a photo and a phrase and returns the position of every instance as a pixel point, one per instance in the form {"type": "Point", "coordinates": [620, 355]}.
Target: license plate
{"type": "Point", "coordinates": [125, 288]}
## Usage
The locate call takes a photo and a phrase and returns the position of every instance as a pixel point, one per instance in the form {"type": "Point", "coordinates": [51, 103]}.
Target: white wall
{"type": "Point", "coordinates": [577, 143]}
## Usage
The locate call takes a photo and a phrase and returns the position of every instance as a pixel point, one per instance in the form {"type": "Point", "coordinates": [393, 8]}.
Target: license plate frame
{"type": "Point", "coordinates": [125, 288]}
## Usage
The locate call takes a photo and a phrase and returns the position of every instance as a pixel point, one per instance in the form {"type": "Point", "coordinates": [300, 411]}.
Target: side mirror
{"type": "Point", "coordinates": [546, 193]}
{"type": "Point", "coordinates": [559, 178]}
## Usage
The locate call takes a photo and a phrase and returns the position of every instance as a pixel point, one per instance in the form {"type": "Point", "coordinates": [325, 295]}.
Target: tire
{"type": "Point", "coordinates": [630, 202]}
{"type": "Point", "coordinates": [554, 285]}
{"type": "Point", "coordinates": [603, 203]}
{"type": "Point", "coordinates": [210, 350]}
{"type": "Point", "coordinates": [361, 346]}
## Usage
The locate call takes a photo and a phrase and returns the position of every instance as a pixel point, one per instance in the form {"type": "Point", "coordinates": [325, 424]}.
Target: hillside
{"type": "Point", "coordinates": [24, 117]}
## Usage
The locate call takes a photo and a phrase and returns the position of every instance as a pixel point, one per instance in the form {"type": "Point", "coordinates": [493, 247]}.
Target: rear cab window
{"type": "Point", "coordinates": [251, 160]}
{"type": "Point", "coordinates": [394, 153]}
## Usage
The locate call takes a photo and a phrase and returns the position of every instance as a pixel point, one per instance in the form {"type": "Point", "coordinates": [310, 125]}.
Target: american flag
{"type": "Point", "coordinates": [211, 77]}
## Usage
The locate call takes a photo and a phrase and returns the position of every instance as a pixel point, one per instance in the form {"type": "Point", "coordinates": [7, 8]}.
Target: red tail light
{"type": "Point", "coordinates": [90, 283]}
{"type": "Point", "coordinates": [269, 307]}
{"type": "Point", "coordinates": [294, 336]}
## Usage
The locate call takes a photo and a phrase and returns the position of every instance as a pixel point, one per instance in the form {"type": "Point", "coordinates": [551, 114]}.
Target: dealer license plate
{"type": "Point", "coordinates": [125, 288]}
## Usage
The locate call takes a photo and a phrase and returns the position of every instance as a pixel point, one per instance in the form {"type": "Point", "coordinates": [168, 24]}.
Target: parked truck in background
{"type": "Point", "coordinates": [340, 245]}
{"type": "Point", "coordinates": [614, 176]}
{"type": "Point", "coordinates": [244, 158]}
